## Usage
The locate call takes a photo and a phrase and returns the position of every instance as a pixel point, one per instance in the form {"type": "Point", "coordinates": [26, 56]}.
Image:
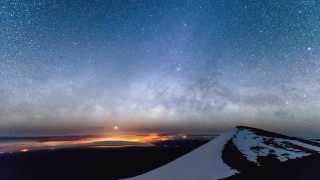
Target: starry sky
{"type": "Point", "coordinates": [82, 66]}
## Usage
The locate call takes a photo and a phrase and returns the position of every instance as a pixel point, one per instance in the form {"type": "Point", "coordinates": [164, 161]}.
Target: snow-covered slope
{"type": "Point", "coordinates": [203, 163]}
{"type": "Point", "coordinates": [255, 144]}
{"type": "Point", "coordinates": [233, 152]}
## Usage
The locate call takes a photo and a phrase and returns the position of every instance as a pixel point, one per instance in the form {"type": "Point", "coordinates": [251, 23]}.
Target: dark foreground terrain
{"type": "Point", "coordinates": [91, 163]}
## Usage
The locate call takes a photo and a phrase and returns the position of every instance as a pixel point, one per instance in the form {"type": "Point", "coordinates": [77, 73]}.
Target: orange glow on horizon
{"type": "Point", "coordinates": [146, 139]}
{"type": "Point", "coordinates": [143, 138]}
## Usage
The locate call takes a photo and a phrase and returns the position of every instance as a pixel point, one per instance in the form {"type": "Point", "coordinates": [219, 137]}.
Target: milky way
{"type": "Point", "coordinates": [77, 66]}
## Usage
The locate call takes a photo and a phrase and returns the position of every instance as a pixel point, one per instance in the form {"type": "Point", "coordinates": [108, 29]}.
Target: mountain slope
{"type": "Point", "coordinates": [306, 168]}
{"type": "Point", "coordinates": [261, 154]}
{"type": "Point", "coordinates": [240, 154]}
{"type": "Point", "coordinates": [199, 164]}
{"type": "Point", "coordinates": [254, 147]}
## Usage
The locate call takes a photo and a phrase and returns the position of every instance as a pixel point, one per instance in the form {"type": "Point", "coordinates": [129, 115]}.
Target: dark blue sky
{"type": "Point", "coordinates": [77, 66]}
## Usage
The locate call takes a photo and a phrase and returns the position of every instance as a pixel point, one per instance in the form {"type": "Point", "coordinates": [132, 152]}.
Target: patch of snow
{"type": "Point", "coordinates": [252, 146]}
{"type": "Point", "coordinates": [305, 145]}
{"type": "Point", "coordinates": [203, 163]}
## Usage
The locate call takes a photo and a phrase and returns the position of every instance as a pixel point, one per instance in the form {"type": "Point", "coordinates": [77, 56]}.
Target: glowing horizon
{"type": "Point", "coordinates": [121, 139]}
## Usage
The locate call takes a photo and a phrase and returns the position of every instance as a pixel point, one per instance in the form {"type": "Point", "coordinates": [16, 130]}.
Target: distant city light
{"type": "Point", "coordinates": [116, 128]}
{"type": "Point", "coordinates": [24, 150]}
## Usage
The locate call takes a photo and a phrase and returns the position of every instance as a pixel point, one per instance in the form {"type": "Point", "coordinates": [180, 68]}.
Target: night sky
{"type": "Point", "coordinates": [78, 66]}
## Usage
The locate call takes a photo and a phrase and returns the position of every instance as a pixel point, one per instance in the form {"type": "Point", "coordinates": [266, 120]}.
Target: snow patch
{"type": "Point", "coordinates": [252, 146]}
{"type": "Point", "coordinates": [305, 145]}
